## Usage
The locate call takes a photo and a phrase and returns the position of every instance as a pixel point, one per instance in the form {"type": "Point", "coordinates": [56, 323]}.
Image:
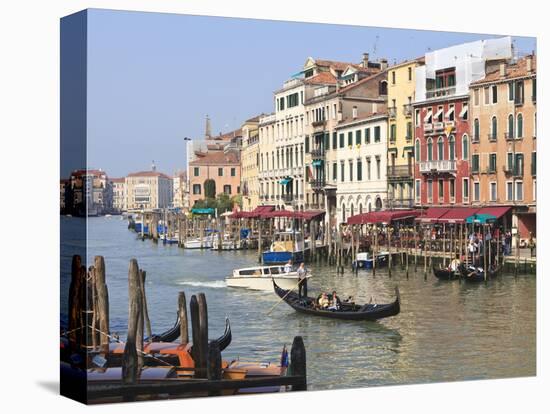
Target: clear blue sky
{"type": "Point", "coordinates": [153, 77]}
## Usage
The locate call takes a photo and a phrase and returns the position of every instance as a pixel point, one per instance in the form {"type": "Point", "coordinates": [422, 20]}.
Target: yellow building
{"type": "Point", "coordinates": [250, 155]}
{"type": "Point", "coordinates": [401, 90]}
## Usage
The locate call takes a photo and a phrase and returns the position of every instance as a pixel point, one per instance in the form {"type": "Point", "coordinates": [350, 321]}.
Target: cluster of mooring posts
{"type": "Point", "coordinates": [89, 336]}
{"type": "Point", "coordinates": [409, 237]}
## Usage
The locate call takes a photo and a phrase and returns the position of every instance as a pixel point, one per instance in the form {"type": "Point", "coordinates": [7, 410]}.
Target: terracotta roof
{"type": "Point", "coordinates": [515, 70]}
{"type": "Point", "coordinates": [216, 158]}
{"type": "Point", "coordinates": [322, 78]}
{"type": "Point", "coordinates": [361, 81]}
{"type": "Point", "coordinates": [79, 173]}
{"type": "Point", "coordinates": [338, 65]}
{"type": "Point", "coordinates": [148, 174]}
{"type": "Point", "coordinates": [228, 135]}
{"type": "Point", "coordinates": [117, 180]}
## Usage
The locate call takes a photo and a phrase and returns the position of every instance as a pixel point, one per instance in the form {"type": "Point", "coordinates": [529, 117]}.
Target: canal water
{"type": "Point", "coordinates": [446, 331]}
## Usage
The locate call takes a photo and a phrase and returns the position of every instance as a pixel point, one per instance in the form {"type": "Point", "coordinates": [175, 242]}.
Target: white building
{"type": "Point", "coordinates": [118, 186]}
{"type": "Point", "coordinates": [361, 167]}
{"type": "Point", "coordinates": [180, 190]}
{"type": "Point", "coordinates": [148, 190]}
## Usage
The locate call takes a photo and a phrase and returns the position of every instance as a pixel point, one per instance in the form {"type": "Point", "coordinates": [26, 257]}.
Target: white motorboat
{"type": "Point", "coordinates": [260, 278]}
{"type": "Point", "coordinates": [205, 243]}
{"type": "Point", "coordinates": [227, 244]}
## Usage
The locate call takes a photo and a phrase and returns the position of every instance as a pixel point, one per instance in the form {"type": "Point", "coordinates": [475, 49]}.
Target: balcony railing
{"type": "Point", "coordinates": [317, 184]}
{"type": "Point", "coordinates": [396, 202]}
{"type": "Point", "coordinates": [438, 166]}
{"type": "Point", "coordinates": [392, 111]}
{"type": "Point", "coordinates": [428, 127]}
{"type": "Point", "coordinates": [508, 136]}
{"type": "Point", "coordinates": [435, 93]}
{"type": "Point", "coordinates": [399, 171]}
{"type": "Point", "coordinates": [438, 126]}
{"type": "Point", "coordinates": [407, 110]}
{"type": "Point", "coordinates": [492, 137]}
{"type": "Point", "coordinates": [287, 198]}
{"type": "Point", "coordinates": [318, 153]}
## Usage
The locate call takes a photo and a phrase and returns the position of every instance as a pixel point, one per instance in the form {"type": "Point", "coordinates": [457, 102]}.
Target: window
{"type": "Point", "coordinates": [440, 190]}
{"type": "Point", "coordinates": [417, 190]}
{"type": "Point", "coordinates": [430, 190]}
{"type": "Point", "coordinates": [440, 154]}
{"type": "Point", "coordinates": [220, 170]}
{"type": "Point", "coordinates": [519, 93]}
{"type": "Point", "coordinates": [475, 163]}
{"type": "Point", "coordinates": [519, 190]}
{"type": "Point", "coordinates": [334, 140]}
{"type": "Point", "coordinates": [359, 170]}
{"type": "Point", "coordinates": [342, 171]}
{"type": "Point", "coordinates": [334, 171]}
{"type": "Point", "coordinates": [376, 134]}
{"type": "Point", "coordinates": [486, 93]}
{"type": "Point", "coordinates": [227, 189]}
{"type": "Point", "coordinates": [511, 91]}
{"type": "Point", "coordinates": [493, 128]}
{"type": "Point", "coordinates": [465, 147]}
{"type": "Point", "coordinates": [519, 128]}
{"type": "Point", "coordinates": [452, 148]}
{"type": "Point", "coordinates": [233, 171]}
{"type": "Point", "coordinates": [534, 163]}
{"type": "Point", "coordinates": [534, 92]}
{"type": "Point", "coordinates": [393, 132]}
{"type": "Point", "coordinates": [393, 78]}
{"type": "Point", "coordinates": [452, 189]}
{"type": "Point", "coordinates": [518, 164]}
{"type": "Point", "coordinates": [534, 190]}
{"type": "Point", "coordinates": [342, 145]}
{"type": "Point", "coordinates": [410, 74]}
{"type": "Point", "coordinates": [476, 97]}
{"type": "Point", "coordinates": [196, 188]}
{"type": "Point", "coordinates": [476, 190]}
{"type": "Point", "coordinates": [510, 126]}
{"type": "Point", "coordinates": [367, 136]}
{"type": "Point", "coordinates": [430, 149]}
{"type": "Point", "coordinates": [510, 161]}
{"type": "Point", "coordinates": [196, 172]}
{"type": "Point", "coordinates": [439, 114]}
{"type": "Point", "coordinates": [465, 189]}
{"type": "Point", "coordinates": [494, 93]}
{"type": "Point", "coordinates": [417, 150]}
{"type": "Point", "coordinates": [408, 137]}
{"type": "Point", "coordinates": [281, 104]}
{"type": "Point", "coordinates": [350, 170]}
{"type": "Point", "coordinates": [464, 112]}
{"type": "Point", "coordinates": [493, 163]}
{"type": "Point", "coordinates": [350, 139]}
{"type": "Point", "coordinates": [368, 168]}
{"type": "Point", "coordinates": [307, 144]}
{"type": "Point", "coordinates": [358, 137]}
{"type": "Point", "coordinates": [354, 112]}
{"type": "Point", "coordinates": [509, 191]}
{"type": "Point", "coordinates": [417, 117]}
{"type": "Point", "coordinates": [292, 100]}
{"type": "Point", "coordinates": [493, 191]}
{"type": "Point", "coordinates": [334, 111]}
{"type": "Point", "coordinates": [377, 167]}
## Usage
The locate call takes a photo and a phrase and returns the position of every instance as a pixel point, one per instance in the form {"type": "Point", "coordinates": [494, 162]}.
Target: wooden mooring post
{"type": "Point", "coordinates": [182, 309]}
{"type": "Point", "coordinates": [102, 307]}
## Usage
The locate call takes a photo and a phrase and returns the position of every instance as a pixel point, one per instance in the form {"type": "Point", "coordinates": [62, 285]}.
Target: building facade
{"type": "Point", "coordinates": [91, 192]}
{"type": "Point", "coordinates": [401, 95]}
{"type": "Point", "coordinates": [504, 153]}
{"type": "Point", "coordinates": [250, 160]}
{"type": "Point", "coordinates": [361, 165]}
{"type": "Point", "coordinates": [442, 119]}
{"type": "Point", "coordinates": [118, 186]}
{"type": "Point", "coordinates": [180, 191]}
{"type": "Point", "coordinates": [148, 190]}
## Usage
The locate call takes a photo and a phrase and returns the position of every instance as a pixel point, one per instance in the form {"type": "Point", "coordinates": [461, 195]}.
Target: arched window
{"type": "Point", "coordinates": [360, 208]}
{"type": "Point", "coordinates": [370, 207]}
{"type": "Point", "coordinates": [440, 148]}
{"type": "Point", "coordinates": [343, 212]}
{"type": "Point", "coordinates": [383, 88]}
{"type": "Point", "coordinates": [351, 211]}
{"type": "Point", "coordinates": [520, 126]}
{"type": "Point", "coordinates": [510, 126]}
{"type": "Point", "coordinates": [465, 147]}
{"type": "Point", "coordinates": [378, 203]}
{"type": "Point", "coordinates": [494, 128]}
{"type": "Point", "coordinates": [452, 147]}
{"type": "Point", "coordinates": [476, 129]}
{"type": "Point", "coordinates": [417, 150]}
{"type": "Point", "coordinates": [430, 149]}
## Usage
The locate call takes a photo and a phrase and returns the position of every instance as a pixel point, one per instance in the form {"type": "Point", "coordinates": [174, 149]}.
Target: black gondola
{"type": "Point", "coordinates": [477, 275]}
{"type": "Point", "coordinates": [447, 274]}
{"type": "Point", "coordinates": [347, 311]}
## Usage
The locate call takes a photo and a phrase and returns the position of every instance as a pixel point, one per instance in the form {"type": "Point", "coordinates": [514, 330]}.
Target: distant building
{"type": "Point", "coordinates": [250, 160]}
{"type": "Point", "coordinates": [180, 191]}
{"type": "Point", "coordinates": [118, 186]}
{"type": "Point", "coordinates": [148, 190]}
{"type": "Point", "coordinates": [64, 197]}
{"type": "Point", "coordinates": [91, 192]}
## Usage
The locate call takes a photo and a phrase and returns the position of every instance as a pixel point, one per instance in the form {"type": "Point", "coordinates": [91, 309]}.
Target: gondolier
{"type": "Point", "coordinates": [302, 284]}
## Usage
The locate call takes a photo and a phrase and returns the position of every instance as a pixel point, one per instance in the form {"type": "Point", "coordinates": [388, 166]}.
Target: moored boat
{"type": "Point", "coordinates": [260, 278]}
{"type": "Point", "coordinates": [286, 245]}
{"type": "Point", "coordinates": [365, 260]}
{"type": "Point", "coordinates": [476, 274]}
{"type": "Point", "coordinates": [347, 310]}
{"type": "Point", "coordinates": [447, 274]}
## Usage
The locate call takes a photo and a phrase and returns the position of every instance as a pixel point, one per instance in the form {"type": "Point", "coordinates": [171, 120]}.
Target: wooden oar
{"type": "Point", "coordinates": [287, 293]}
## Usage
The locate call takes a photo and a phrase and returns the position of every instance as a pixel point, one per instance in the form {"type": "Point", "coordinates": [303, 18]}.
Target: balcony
{"type": "Point", "coordinates": [437, 93]}
{"type": "Point", "coordinates": [288, 198]}
{"type": "Point", "coordinates": [407, 110]}
{"type": "Point", "coordinates": [439, 126]}
{"type": "Point", "coordinates": [319, 126]}
{"type": "Point", "coordinates": [400, 202]}
{"type": "Point", "coordinates": [318, 153]}
{"type": "Point", "coordinates": [428, 127]}
{"type": "Point", "coordinates": [492, 137]}
{"type": "Point", "coordinates": [317, 185]}
{"type": "Point", "coordinates": [399, 172]}
{"type": "Point", "coordinates": [439, 166]}
{"type": "Point", "coordinates": [450, 124]}
{"type": "Point", "coordinates": [508, 136]}
{"type": "Point", "coordinates": [392, 112]}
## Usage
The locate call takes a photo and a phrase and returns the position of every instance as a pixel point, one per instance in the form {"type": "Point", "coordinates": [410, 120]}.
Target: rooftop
{"type": "Point", "coordinates": [216, 158]}
{"type": "Point", "coordinates": [515, 70]}
{"type": "Point", "coordinates": [148, 174]}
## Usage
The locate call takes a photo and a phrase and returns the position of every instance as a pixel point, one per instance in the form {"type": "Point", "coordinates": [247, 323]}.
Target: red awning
{"type": "Point", "coordinates": [382, 217]}
{"type": "Point", "coordinates": [311, 214]}
{"type": "Point", "coordinates": [498, 212]}
{"type": "Point", "coordinates": [432, 214]}
{"type": "Point", "coordinates": [458, 214]}
{"type": "Point", "coordinates": [256, 213]}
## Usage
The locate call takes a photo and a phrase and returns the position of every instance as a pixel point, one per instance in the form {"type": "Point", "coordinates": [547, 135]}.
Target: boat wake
{"type": "Point", "coordinates": [212, 284]}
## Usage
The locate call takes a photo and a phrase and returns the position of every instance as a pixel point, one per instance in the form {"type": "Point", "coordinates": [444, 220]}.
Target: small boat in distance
{"type": "Point", "coordinates": [198, 243]}
{"type": "Point", "coordinates": [364, 260]}
{"type": "Point", "coordinates": [260, 278]}
{"type": "Point", "coordinates": [286, 245]}
{"type": "Point", "coordinates": [348, 310]}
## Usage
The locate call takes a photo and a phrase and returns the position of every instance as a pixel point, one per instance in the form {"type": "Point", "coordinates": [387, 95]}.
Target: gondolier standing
{"type": "Point", "coordinates": [302, 281]}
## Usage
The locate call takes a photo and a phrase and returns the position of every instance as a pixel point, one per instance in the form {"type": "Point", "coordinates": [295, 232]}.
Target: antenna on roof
{"type": "Point", "coordinates": [375, 44]}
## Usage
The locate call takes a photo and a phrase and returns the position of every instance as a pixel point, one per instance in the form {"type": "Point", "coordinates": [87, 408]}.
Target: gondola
{"type": "Point", "coordinates": [447, 274]}
{"type": "Point", "coordinates": [173, 333]}
{"type": "Point", "coordinates": [477, 275]}
{"type": "Point", "coordinates": [347, 311]}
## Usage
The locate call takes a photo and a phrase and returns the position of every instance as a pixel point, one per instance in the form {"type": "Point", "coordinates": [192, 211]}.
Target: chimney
{"type": "Point", "coordinates": [383, 64]}
{"type": "Point", "coordinates": [529, 63]}
{"type": "Point", "coordinates": [365, 60]}
{"type": "Point", "coordinates": [502, 70]}
{"type": "Point", "coordinates": [374, 107]}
